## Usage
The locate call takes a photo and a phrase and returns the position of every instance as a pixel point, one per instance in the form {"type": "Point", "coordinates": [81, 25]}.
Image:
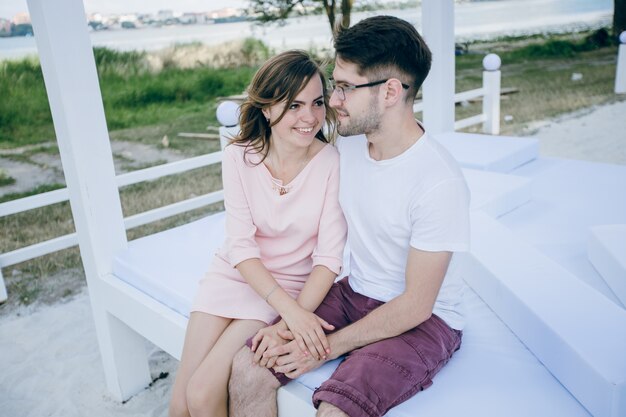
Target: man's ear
{"type": "Point", "coordinates": [394, 91]}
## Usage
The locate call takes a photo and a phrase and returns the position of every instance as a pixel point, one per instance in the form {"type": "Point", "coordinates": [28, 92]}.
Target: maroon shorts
{"type": "Point", "coordinates": [379, 376]}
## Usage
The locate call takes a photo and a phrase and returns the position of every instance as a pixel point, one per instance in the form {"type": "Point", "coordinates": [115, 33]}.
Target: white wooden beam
{"type": "Point", "coordinates": [620, 69]}
{"type": "Point", "coordinates": [438, 89]}
{"type": "Point", "coordinates": [69, 71]}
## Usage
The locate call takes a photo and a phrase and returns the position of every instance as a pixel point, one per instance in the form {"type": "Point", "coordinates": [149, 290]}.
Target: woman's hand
{"type": "Point", "coordinates": [268, 338]}
{"type": "Point", "coordinates": [308, 332]}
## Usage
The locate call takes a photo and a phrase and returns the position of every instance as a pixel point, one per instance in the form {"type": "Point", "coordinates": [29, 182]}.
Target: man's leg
{"type": "Point", "coordinates": [377, 377]}
{"type": "Point", "coordinates": [252, 388]}
{"type": "Point", "coordinates": [329, 410]}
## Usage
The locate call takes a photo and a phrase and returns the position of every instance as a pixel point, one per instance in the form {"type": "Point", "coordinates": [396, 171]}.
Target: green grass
{"type": "Point", "coordinates": [5, 179]}
{"type": "Point", "coordinates": [540, 68]}
{"type": "Point", "coordinates": [133, 94]}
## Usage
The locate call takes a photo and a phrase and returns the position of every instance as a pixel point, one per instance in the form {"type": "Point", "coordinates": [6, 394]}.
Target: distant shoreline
{"type": "Point", "coordinates": [474, 21]}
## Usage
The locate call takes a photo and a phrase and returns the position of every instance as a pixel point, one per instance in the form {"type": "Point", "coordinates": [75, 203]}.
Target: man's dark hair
{"type": "Point", "coordinates": [384, 47]}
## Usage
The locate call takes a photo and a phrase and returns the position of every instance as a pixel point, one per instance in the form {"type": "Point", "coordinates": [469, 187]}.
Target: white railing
{"type": "Point", "coordinates": [620, 70]}
{"type": "Point", "coordinates": [490, 94]}
{"type": "Point", "coordinates": [58, 196]}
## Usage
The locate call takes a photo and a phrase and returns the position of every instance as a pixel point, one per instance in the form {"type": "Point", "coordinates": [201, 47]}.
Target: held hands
{"type": "Point", "coordinates": [307, 330]}
{"type": "Point", "coordinates": [268, 338]}
{"type": "Point", "coordinates": [292, 361]}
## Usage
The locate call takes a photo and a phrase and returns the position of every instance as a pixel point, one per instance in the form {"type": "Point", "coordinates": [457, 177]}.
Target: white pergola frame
{"type": "Point", "coordinates": [75, 99]}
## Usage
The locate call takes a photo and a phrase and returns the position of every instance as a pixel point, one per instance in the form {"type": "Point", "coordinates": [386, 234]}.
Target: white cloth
{"type": "Point", "coordinates": [418, 198]}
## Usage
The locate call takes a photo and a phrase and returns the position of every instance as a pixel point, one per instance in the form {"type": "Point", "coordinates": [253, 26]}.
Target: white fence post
{"type": "Point", "coordinates": [491, 100]}
{"type": "Point", "coordinates": [438, 89]}
{"type": "Point", "coordinates": [3, 288]}
{"type": "Point", "coordinates": [620, 72]}
{"type": "Point", "coordinates": [228, 115]}
{"type": "Point", "coordinates": [71, 81]}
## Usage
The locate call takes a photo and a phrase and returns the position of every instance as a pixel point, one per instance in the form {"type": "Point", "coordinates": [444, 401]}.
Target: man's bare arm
{"type": "Point", "coordinates": [424, 276]}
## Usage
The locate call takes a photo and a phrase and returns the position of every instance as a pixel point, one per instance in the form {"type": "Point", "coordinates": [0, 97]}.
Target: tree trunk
{"type": "Point", "coordinates": [330, 12]}
{"type": "Point", "coordinates": [619, 16]}
{"type": "Point", "coordinates": [346, 8]}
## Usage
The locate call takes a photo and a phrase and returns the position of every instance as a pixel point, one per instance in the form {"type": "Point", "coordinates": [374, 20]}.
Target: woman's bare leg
{"type": "Point", "coordinates": [203, 330]}
{"type": "Point", "coordinates": [207, 390]}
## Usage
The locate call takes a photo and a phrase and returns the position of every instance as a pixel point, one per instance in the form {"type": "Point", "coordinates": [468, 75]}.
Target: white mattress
{"type": "Point", "coordinates": [489, 153]}
{"type": "Point", "coordinates": [168, 265]}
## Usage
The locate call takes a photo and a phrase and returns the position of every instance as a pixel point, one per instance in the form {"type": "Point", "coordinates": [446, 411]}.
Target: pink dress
{"type": "Point", "coordinates": [289, 233]}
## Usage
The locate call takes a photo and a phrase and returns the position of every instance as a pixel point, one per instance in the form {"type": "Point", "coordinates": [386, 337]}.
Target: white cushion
{"type": "Point", "coordinates": [496, 193]}
{"type": "Point", "coordinates": [168, 265]}
{"type": "Point", "coordinates": [607, 252]}
{"type": "Point", "coordinates": [490, 153]}
{"type": "Point", "coordinates": [576, 332]}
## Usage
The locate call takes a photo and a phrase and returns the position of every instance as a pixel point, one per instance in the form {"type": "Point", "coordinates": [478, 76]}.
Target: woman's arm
{"type": "Point", "coordinates": [305, 326]}
{"type": "Point", "coordinates": [311, 296]}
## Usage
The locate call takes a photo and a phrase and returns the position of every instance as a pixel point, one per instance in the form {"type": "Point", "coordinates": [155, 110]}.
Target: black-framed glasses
{"type": "Point", "coordinates": [341, 89]}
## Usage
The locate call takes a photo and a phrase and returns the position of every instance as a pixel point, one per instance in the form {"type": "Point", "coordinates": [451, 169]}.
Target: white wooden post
{"type": "Point", "coordinates": [3, 288]}
{"type": "Point", "coordinates": [228, 115]}
{"type": "Point", "coordinates": [491, 99]}
{"type": "Point", "coordinates": [71, 80]}
{"type": "Point", "coordinates": [620, 72]}
{"type": "Point", "coordinates": [438, 89]}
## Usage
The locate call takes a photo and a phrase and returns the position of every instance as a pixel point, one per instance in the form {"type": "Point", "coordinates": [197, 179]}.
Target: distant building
{"type": "Point", "coordinates": [165, 15]}
{"type": "Point", "coordinates": [96, 21]}
{"type": "Point", "coordinates": [21, 19]}
{"type": "Point", "coordinates": [224, 13]}
{"type": "Point", "coordinates": [188, 18]}
{"type": "Point", "coordinates": [5, 27]}
{"type": "Point", "coordinates": [129, 21]}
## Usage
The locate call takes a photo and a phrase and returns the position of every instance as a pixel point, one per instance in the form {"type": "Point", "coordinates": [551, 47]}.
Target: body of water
{"type": "Point", "coordinates": [473, 20]}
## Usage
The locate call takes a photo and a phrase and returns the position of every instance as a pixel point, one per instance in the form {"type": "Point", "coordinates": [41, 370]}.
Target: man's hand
{"type": "Point", "coordinates": [267, 338]}
{"type": "Point", "coordinates": [292, 361]}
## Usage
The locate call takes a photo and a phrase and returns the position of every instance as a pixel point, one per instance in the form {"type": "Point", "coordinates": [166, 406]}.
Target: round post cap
{"type": "Point", "coordinates": [228, 113]}
{"type": "Point", "coordinates": [491, 62]}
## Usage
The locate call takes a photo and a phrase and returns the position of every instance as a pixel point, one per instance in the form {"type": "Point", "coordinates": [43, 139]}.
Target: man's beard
{"type": "Point", "coordinates": [366, 124]}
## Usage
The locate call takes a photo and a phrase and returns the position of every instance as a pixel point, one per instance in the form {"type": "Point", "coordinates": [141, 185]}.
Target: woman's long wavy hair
{"type": "Point", "coordinates": [280, 79]}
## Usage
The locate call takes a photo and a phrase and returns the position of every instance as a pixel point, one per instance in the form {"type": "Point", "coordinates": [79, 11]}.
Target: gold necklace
{"type": "Point", "coordinates": [278, 184]}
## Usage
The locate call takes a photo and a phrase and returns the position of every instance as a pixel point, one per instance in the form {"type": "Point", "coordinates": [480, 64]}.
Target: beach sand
{"type": "Point", "coordinates": [596, 134]}
{"type": "Point", "coordinates": [49, 353]}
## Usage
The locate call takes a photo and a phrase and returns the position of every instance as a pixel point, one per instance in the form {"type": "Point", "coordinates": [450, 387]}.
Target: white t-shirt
{"type": "Point", "coordinates": [418, 198]}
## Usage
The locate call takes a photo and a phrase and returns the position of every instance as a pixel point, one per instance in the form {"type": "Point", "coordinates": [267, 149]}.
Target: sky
{"type": "Point", "coordinates": [9, 8]}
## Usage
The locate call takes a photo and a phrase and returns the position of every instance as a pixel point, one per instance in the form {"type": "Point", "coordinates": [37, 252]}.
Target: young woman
{"type": "Point", "coordinates": [285, 234]}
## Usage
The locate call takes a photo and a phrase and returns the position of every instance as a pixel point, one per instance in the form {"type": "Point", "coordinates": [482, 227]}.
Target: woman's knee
{"type": "Point", "coordinates": [178, 405]}
{"type": "Point", "coordinates": [206, 394]}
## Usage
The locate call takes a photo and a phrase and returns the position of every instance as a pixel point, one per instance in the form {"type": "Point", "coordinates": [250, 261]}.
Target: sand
{"type": "Point", "coordinates": [596, 134]}
{"type": "Point", "coordinates": [49, 353]}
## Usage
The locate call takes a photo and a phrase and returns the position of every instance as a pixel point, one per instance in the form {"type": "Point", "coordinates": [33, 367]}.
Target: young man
{"type": "Point", "coordinates": [397, 316]}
